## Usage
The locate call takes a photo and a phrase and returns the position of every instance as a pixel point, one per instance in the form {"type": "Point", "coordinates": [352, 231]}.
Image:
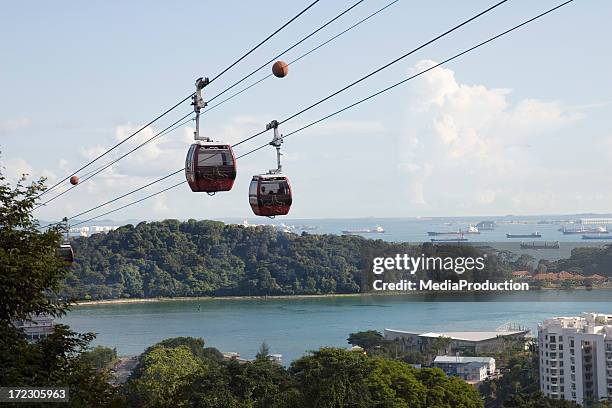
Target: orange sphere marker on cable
{"type": "Point", "coordinates": [280, 69]}
{"type": "Point", "coordinates": [74, 180]}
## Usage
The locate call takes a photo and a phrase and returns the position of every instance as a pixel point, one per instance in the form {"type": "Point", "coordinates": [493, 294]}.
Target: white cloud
{"type": "Point", "coordinates": [15, 168]}
{"type": "Point", "coordinates": [11, 125]}
{"type": "Point", "coordinates": [471, 146]}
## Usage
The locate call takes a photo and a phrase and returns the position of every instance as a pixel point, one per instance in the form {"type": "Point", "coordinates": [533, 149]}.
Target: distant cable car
{"type": "Point", "coordinates": [270, 194]}
{"type": "Point", "coordinates": [65, 251]}
{"type": "Point", "coordinates": [210, 166]}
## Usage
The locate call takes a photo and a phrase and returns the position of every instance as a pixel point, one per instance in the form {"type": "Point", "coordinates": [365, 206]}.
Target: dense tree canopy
{"type": "Point", "coordinates": [587, 261]}
{"type": "Point", "coordinates": [208, 258]}
{"type": "Point", "coordinates": [326, 378]}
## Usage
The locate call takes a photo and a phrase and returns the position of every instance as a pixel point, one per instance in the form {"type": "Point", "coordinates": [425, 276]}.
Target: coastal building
{"type": "Point", "coordinates": [276, 359]}
{"type": "Point", "coordinates": [470, 369]}
{"type": "Point", "coordinates": [36, 328]}
{"type": "Point", "coordinates": [576, 357]}
{"type": "Point", "coordinates": [467, 341]}
{"type": "Point", "coordinates": [91, 230]}
{"type": "Point", "coordinates": [521, 274]}
{"type": "Point", "coordinates": [596, 221]}
{"type": "Point", "coordinates": [565, 276]}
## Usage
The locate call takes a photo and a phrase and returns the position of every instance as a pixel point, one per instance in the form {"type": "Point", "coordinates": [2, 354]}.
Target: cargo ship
{"type": "Point", "coordinates": [436, 233]}
{"type": "Point", "coordinates": [582, 230]}
{"type": "Point", "coordinates": [597, 236]}
{"type": "Point", "coordinates": [471, 230]}
{"type": "Point", "coordinates": [377, 230]}
{"type": "Point", "coordinates": [532, 235]}
{"type": "Point", "coordinates": [457, 239]}
{"type": "Point", "coordinates": [540, 245]}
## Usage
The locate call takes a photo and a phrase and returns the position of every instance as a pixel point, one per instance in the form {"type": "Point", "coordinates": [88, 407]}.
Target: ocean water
{"type": "Point", "coordinates": [415, 230]}
{"type": "Point", "coordinates": [292, 327]}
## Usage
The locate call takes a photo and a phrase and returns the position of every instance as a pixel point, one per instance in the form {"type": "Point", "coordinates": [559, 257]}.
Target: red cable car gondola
{"type": "Point", "coordinates": [270, 194]}
{"type": "Point", "coordinates": [209, 166]}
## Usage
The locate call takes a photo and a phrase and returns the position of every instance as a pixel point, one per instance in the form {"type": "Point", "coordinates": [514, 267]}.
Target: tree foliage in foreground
{"type": "Point", "coordinates": [325, 378]}
{"type": "Point", "coordinates": [30, 276]}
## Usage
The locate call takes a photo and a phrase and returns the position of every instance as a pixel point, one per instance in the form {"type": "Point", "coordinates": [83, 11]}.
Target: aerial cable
{"type": "Point", "coordinates": [203, 82]}
{"type": "Point", "coordinates": [413, 76]}
{"type": "Point", "coordinates": [387, 65]}
{"type": "Point", "coordinates": [358, 102]}
{"type": "Point", "coordinates": [169, 129]}
{"type": "Point", "coordinates": [266, 39]}
{"type": "Point", "coordinates": [178, 103]}
{"type": "Point", "coordinates": [300, 57]}
{"type": "Point", "coordinates": [267, 63]}
{"type": "Point", "coordinates": [115, 146]}
{"type": "Point", "coordinates": [122, 196]}
{"type": "Point", "coordinates": [96, 171]}
{"type": "Point", "coordinates": [166, 131]}
{"type": "Point", "coordinates": [129, 204]}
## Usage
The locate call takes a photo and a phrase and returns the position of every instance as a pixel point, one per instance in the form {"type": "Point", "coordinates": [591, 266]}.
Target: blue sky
{"type": "Point", "coordinates": [520, 126]}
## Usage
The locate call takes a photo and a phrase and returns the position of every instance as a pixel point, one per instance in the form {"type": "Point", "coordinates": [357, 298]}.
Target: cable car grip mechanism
{"type": "Point", "coordinates": [198, 104]}
{"type": "Point", "coordinates": [276, 142]}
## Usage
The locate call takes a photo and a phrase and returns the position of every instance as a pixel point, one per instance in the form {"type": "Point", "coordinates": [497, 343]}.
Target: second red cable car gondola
{"type": "Point", "coordinates": [270, 194]}
{"type": "Point", "coordinates": [210, 166]}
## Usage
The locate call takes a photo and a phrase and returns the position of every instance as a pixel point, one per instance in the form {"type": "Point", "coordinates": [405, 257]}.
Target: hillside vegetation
{"type": "Point", "coordinates": [208, 258]}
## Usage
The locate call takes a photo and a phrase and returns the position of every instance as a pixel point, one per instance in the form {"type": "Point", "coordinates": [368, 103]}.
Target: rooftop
{"type": "Point", "coordinates": [588, 322]}
{"type": "Point", "coordinates": [465, 335]}
{"type": "Point", "coordinates": [463, 360]}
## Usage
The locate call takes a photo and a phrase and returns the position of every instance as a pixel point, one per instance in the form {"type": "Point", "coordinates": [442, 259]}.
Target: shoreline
{"type": "Point", "coordinates": [280, 297]}
{"type": "Point", "coordinates": [207, 298]}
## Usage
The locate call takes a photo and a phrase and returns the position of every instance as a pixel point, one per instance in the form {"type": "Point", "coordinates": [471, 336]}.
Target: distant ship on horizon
{"type": "Point", "coordinates": [377, 230]}
{"type": "Point", "coordinates": [532, 235]}
{"type": "Point", "coordinates": [470, 230]}
{"type": "Point", "coordinates": [456, 239]}
{"type": "Point", "coordinates": [540, 245]}
{"type": "Point", "coordinates": [597, 236]}
{"type": "Point", "coordinates": [583, 230]}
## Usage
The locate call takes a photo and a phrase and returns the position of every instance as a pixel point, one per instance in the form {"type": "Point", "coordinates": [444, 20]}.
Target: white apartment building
{"type": "Point", "coordinates": [38, 327]}
{"type": "Point", "coordinates": [470, 369]}
{"type": "Point", "coordinates": [576, 357]}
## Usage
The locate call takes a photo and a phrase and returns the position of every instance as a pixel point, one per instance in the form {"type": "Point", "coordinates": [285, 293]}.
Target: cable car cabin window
{"type": "Point", "coordinates": [253, 188]}
{"type": "Point", "coordinates": [189, 160]}
{"type": "Point", "coordinates": [214, 158]}
{"type": "Point", "coordinates": [253, 192]}
{"type": "Point", "coordinates": [273, 188]}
